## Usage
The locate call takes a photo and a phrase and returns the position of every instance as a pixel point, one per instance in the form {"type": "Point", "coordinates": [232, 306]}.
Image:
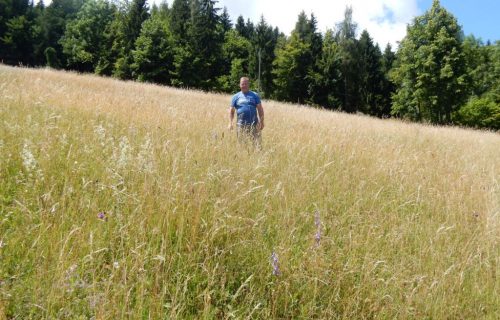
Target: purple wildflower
{"type": "Point", "coordinates": [274, 263]}
{"type": "Point", "coordinates": [102, 215]}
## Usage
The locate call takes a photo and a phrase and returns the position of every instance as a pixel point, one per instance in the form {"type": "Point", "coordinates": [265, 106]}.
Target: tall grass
{"type": "Point", "coordinates": [126, 200]}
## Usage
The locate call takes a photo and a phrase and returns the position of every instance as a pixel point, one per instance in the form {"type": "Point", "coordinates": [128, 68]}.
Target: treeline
{"type": "Point", "coordinates": [437, 75]}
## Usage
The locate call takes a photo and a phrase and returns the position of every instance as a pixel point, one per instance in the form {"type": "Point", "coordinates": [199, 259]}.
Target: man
{"type": "Point", "coordinates": [250, 113]}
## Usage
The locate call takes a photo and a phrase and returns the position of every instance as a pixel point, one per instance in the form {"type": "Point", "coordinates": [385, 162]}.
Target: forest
{"type": "Point", "coordinates": [437, 74]}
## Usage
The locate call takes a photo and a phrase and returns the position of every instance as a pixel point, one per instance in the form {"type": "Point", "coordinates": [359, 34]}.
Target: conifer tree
{"type": "Point", "coordinates": [22, 36]}
{"type": "Point", "coordinates": [371, 76]}
{"type": "Point", "coordinates": [245, 29]}
{"type": "Point", "coordinates": [350, 63]}
{"type": "Point", "coordinates": [297, 62]}
{"type": "Point", "coordinates": [179, 21]}
{"type": "Point", "coordinates": [225, 21]}
{"type": "Point", "coordinates": [388, 88]}
{"type": "Point", "coordinates": [326, 78]}
{"type": "Point", "coordinates": [125, 31]}
{"type": "Point", "coordinates": [264, 40]}
{"type": "Point", "coordinates": [205, 39]}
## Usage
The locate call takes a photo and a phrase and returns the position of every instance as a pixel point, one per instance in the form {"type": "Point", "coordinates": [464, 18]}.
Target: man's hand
{"type": "Point", "coordinates": [230, 126]}
{"type": "Point", "coordinates": [261, 125]}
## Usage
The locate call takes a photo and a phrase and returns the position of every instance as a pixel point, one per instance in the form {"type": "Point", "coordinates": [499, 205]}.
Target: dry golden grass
{"type": "Point", "coordinates": [408, 215]}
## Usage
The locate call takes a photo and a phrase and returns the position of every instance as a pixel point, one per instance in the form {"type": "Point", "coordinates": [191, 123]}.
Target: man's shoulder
{"type": "Point", "coordinates": [236, 95]}
{"type": "Point", "coordinates": [255, 94]}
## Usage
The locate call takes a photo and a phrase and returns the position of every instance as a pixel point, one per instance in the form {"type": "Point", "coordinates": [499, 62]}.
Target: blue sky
{"type": "Point", "coordinates": [385, 20]}
{"type": "Point", "coordinates": [480, 17]}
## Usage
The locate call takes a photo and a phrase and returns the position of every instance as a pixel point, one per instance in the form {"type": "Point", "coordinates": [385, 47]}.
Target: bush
{"type": "Point", "coordinates": [480, 113]}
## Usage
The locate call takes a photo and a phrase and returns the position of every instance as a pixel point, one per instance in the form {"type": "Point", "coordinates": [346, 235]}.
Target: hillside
{"type": "Point", "coordinates": [128, 200]}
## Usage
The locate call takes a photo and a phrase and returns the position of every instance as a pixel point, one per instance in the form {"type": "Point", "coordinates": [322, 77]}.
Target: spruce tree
{"type": "Point", "coordinates": [388, 88]}
{"type": "Point", "coordinates": [127, 27]}
{"type": "Point", "coordinates": [264, 40]}
{"type": "Point", "coordinates": [350, 63]}
{"type": "Point", "coordinates": [371, 76]}
{"type": "Point", "coordinates": [326, 80]}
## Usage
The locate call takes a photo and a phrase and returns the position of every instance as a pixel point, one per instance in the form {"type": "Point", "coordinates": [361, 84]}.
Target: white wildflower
{"type": "Point", "coordinates": [124, 149]}
{"type": "Point", "coordinates": [116, 265]}
{"type": "Point", "coordinates": [101, 134]}
{"type": "Point", "coordinates": [63, 139]}
{"type": "Point", "coordinates": [71, 270]}
{"type": "Point", "coordinates": [29, 161]}
{"type": "Point", "coordinates": [145, 156]}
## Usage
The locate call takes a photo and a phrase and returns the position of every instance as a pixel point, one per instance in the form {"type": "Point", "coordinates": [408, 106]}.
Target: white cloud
{"type": "Point", "coordinates": [385, 20]}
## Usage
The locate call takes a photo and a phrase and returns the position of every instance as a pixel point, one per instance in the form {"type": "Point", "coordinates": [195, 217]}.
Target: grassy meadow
{"type": "Point", "coordinates": [122, 200]}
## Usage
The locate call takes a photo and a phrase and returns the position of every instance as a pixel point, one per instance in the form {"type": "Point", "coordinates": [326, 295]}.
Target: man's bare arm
{"type": "Point", "coordinates": [260, 111]}
{"type": "Point", "coordinates": [231, 117]}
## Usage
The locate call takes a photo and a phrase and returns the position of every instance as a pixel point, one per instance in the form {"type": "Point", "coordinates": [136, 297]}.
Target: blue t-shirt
{"type": "Point", "coordinates": [246, 107]}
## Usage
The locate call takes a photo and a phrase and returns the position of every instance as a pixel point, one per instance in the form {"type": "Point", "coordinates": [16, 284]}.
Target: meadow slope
{"type": "Point", "coordinates": [128, 200]}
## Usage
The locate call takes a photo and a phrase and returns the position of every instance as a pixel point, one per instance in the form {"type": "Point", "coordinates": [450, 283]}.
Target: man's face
{"type": "Point", "coordinates": [244, 85]}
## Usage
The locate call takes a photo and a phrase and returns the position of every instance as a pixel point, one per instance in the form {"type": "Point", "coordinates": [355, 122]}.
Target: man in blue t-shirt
{"type": "Point", "coordinates": [248, 107]}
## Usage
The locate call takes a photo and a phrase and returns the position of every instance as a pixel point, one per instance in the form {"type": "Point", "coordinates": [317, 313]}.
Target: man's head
{"type": "Point", "coordinates": [244, 84]}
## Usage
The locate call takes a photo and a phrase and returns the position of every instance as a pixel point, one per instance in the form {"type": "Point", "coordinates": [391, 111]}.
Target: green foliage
{"type": "Point", "coordinates": [430, 73]}
{"type": "Point", "coordinates": [247, 29]}
{"type": "Point", "coordinates": [371, 76]}
{"type": "Point", "coordinates": [198, 34]}
{"type": "Point", "coordinates": [236, 50]}
{"type": "Point", "coordinates": [180, 17]}
{"type": "Point", "coordinates": [388, 87]}
{"type": "Point", "coordinates": [291, 70]}
{"type": "Point", "coordinates": [480, 113]}
{"type": "Point", "coordinates": [19, 32]}
{"type": "Point", "coordinates": [52, 25]}
{"type": "Point", "coordinates": [185, 73]}
{"type": "Point", "coordinates": [17, 41]}
{"type": "Point", "coordinates": [307, 31]}
{"type": "Point", "coordinates": [264, 40]}
{"type": "Point", "coordinates": [124, 32]}
{"type": "Point", "coordinates": [350, 63]}
{"type": "Point", "coordinates": [154, 53]}
{"type": "Point", "coordinates": [84, 42]}
{"type": "Point", "coordinates": [325, 80]}
{"type": "Point", "coordinates": [51, 58]}
{"type": "Point", "coordinates": [225, 21]}
{"type": "Point", "coordinates": [206, 37]}
{"type": "Point", "coordinates": [297, 62]}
